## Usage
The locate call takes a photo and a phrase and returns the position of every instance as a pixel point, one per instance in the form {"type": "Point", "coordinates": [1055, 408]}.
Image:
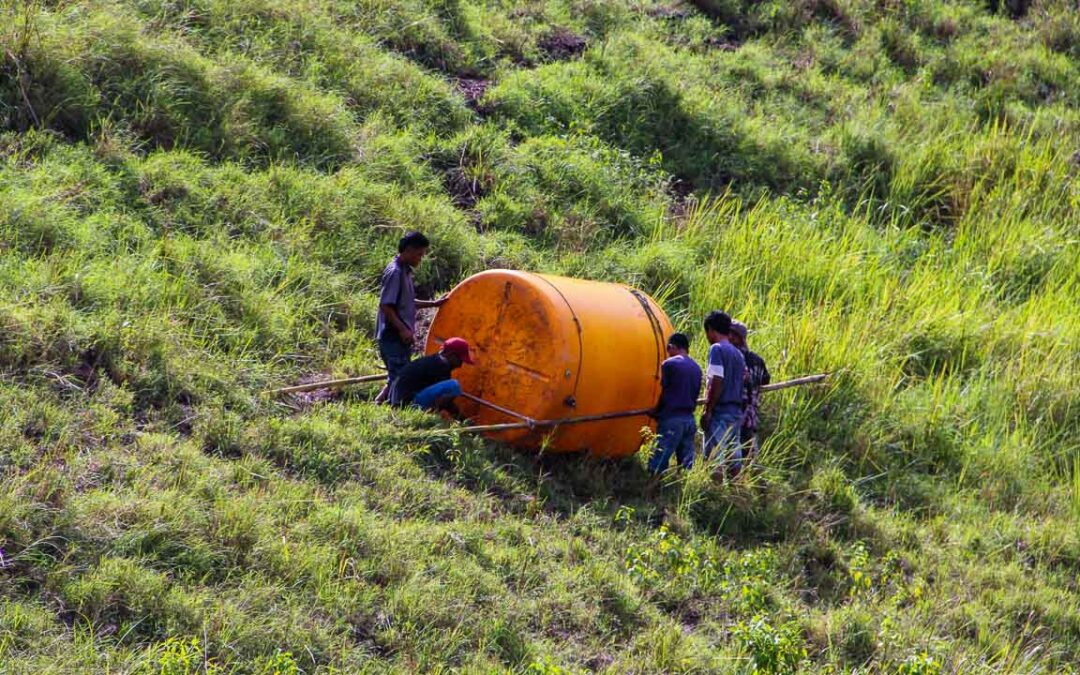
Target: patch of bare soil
{"type": "Point", "coordinates": [721, 43]}
{"type": "Point", "coordinates": [464, 191]}
{"type": "Point", "coordinates": [424, 317]}
{"type": "Point", "coordinates": [681, 188]}
{"type": "Point", "coordinates": [309, 398]}
{"type": "Point", "coordinates": [563, 43]}
{"type": "Point", "coordinates": [668, 12]}
{"type": "Point", "coordinates": [472, 88]}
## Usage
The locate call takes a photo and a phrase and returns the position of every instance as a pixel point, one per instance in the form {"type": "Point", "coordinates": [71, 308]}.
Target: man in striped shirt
{"type": "Point", "coordinates": [755, 376]}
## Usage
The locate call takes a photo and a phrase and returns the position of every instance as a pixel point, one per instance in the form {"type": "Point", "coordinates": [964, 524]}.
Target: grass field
{"type": "Point", "coordinates": [196, 200]}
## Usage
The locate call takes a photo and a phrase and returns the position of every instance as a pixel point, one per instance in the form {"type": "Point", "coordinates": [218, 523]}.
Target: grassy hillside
{"type": "Point", "coordinates": [197, 196]}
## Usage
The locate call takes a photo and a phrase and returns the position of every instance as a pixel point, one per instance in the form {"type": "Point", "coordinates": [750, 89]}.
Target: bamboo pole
{"type": "Point", "coordinates": [325, 384]}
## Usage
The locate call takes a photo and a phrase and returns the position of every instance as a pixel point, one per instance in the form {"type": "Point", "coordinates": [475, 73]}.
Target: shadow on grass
{"type": "Point", "coordinates": [759, 507]}
{"type": "Point", "coordinates": [562, 484]}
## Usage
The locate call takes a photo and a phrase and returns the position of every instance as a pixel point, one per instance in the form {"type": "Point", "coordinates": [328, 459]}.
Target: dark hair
{"type": "Point", "coordinates": [412, 240]}
{"type": "Point", "coordinates": [719, 322]}
{"type": "Point", "coordinates": [679, 341]}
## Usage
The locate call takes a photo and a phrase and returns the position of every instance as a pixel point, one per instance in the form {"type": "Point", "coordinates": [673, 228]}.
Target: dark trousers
{"type": "Point", "coordinates": [395, 354]}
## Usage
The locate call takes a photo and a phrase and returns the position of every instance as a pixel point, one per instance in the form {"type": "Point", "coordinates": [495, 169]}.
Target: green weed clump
{"type": "Point", "coordinates": [197, 199]}
{"type": "Point", "coordinates": [96, 67]}
{"type": "Point", "coordinates": [576, 193]}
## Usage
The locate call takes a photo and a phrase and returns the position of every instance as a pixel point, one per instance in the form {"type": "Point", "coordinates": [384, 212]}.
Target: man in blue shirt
{"type": "Point", "coordinates": [680, 384]}
{"type": "Point", "coordinates": [396, 320]}
{"type": "Point", "coordinates": [722, 419]}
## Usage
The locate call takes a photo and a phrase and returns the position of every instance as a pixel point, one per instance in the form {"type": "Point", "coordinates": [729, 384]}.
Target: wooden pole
{"type": "Point", "coordinates": [326, 384]}
{"type": "Point", "coordinates": [809, 379]}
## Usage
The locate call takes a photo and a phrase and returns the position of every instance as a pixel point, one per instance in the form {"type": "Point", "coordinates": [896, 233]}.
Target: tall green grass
{"type": "Point", "coordinates": [197, 198]}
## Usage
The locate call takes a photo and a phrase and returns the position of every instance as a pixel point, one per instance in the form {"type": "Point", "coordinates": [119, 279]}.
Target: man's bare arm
{"type": "Point", "coordinates": [713, 394]}
{"type": "Point", "coordinates": [438, 302]}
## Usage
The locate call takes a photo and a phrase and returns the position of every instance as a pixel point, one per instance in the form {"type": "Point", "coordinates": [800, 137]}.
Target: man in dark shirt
{"type": "Point", "coordinates": [722, 419]}
{"type": "Point", "coordinates": [396, 320]}
{"type": "Point", "coordinates": [680, 384]}
{"type": "Point", "coordinates": [757, 375]}
{"type": "Point", "coordinates": [426, 382]}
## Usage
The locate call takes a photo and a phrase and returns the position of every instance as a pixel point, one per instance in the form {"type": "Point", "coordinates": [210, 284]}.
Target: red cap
{"type": "Point", "coordinates": [459, 348]}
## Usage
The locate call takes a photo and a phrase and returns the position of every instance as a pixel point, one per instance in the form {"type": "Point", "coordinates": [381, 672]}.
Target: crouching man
{"type": "Point", "coordinates": [427, 383]}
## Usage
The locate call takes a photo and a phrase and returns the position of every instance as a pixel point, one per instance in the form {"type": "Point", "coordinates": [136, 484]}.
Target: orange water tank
{"type": "Point", "coordinates": [551, 347]}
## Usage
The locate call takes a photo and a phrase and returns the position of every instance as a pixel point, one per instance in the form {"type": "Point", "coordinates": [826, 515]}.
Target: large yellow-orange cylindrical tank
{"type": "Point", "coordinates": [550, 347]}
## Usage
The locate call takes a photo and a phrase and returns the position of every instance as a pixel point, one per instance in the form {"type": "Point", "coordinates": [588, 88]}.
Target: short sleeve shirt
{"type": "Point", "coordinates": [727, 362]}
{"type": "Point", "coordinates": [680, 381]}
{"type": "Point", "coordinates": [397, 290]}
{"type": "Point", "coordinates": [757, 375]}
{"type": "Point", "coordinates": [417, 376]}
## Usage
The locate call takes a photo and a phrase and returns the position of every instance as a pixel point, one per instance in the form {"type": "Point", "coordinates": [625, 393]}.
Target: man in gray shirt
{"type": "Point", "coordinates": [396, 321]}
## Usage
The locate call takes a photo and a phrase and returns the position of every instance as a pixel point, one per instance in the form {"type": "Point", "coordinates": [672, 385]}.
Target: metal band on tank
{"type": "Point", "coordinates": [658, 330]}
{"type": "Point", "coordinates": [581, 342]}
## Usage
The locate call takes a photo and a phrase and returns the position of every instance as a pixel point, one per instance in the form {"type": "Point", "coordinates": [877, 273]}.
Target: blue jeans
{"type": "Point", "coordinates": [427, 397]}
{"type": "Point", "coordinates": [724, 434]}
{"type": "Point", "coordinates": [395, 354]}
{"type": "Point", "coordinates": [675, 436]}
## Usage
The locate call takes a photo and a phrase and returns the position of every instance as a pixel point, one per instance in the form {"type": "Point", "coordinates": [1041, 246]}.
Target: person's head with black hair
{"type": "Point", "coordinates": [412, 248]}
{"type": "Point", "coordinates": [678, 344]}
{"type": "Point", "coordinates": [717, 327]}
{"type": "Point", "coordinates": [738, 333]}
